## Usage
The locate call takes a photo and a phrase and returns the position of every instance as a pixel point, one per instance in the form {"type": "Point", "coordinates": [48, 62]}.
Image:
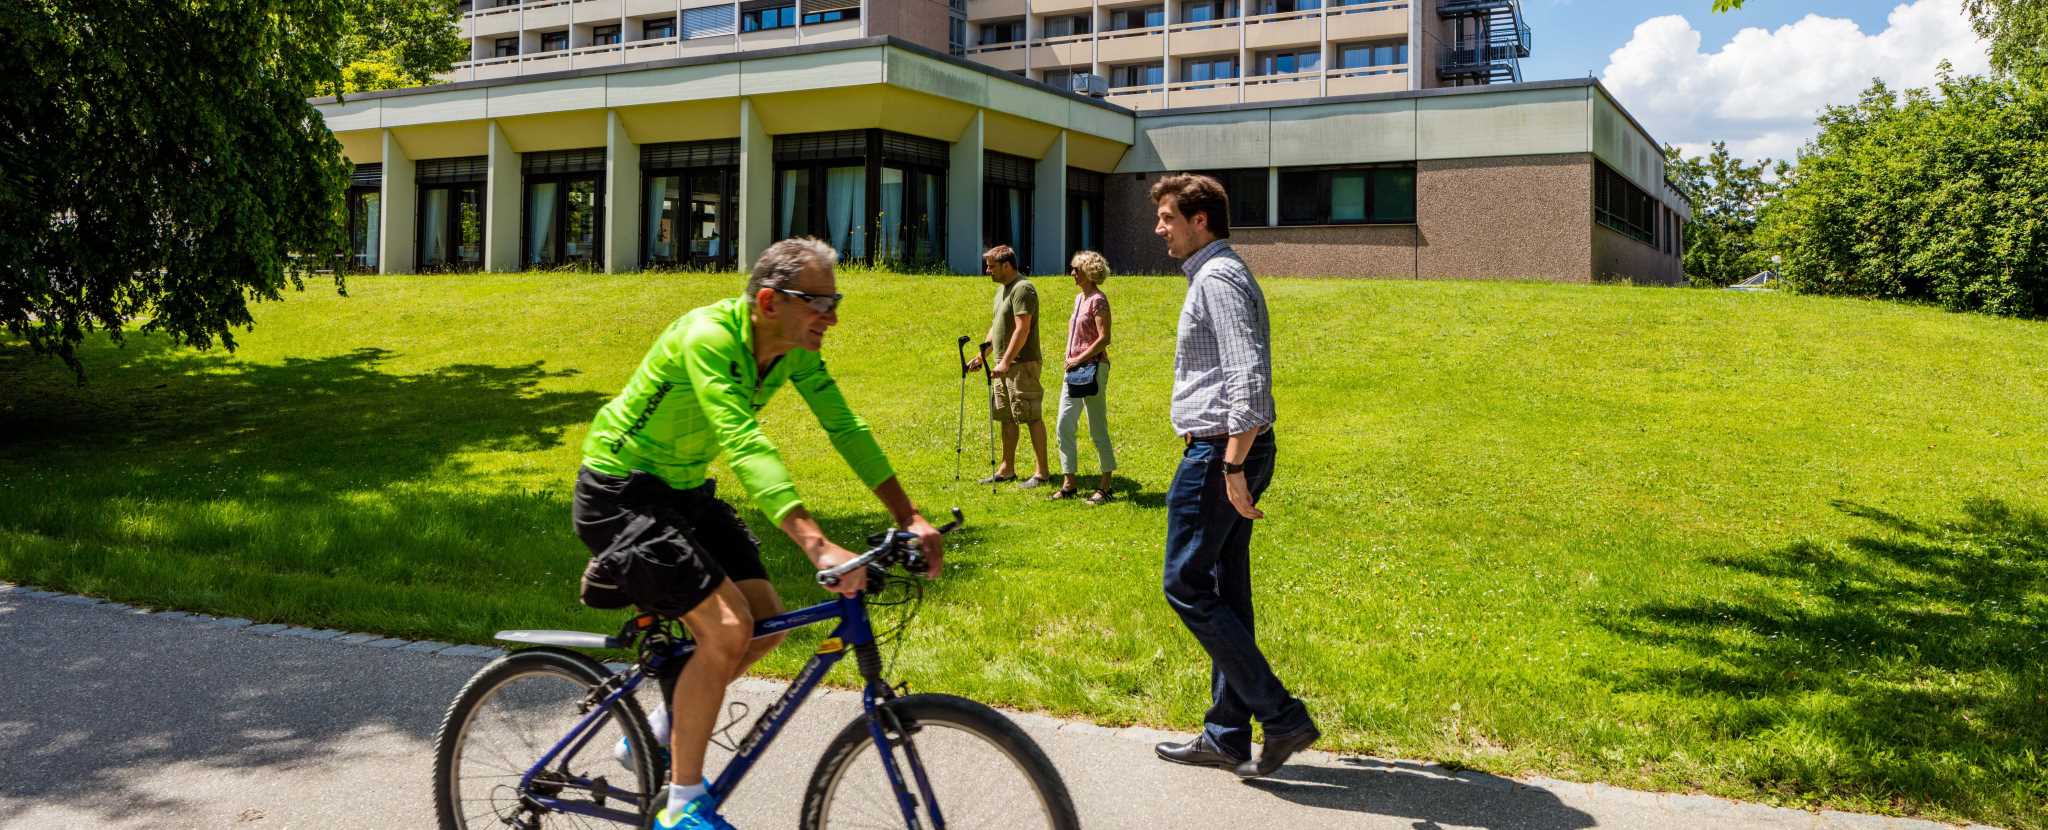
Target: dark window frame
{"type": "Point", "coordinates": [558, 257]}
{"type": "Point", "coordinates": [1246, 211]}
{"type": "Point", "coordinates": [1319, 183]}
{"type": "Point", "coordinates": [768, 18]}
{"type": "Point", "coordinates": [354, 197]}
{"type": "Point", "coordinates": [498, 47]}
{"type": "Point", "coordinates": [866, 148]}
{"type": "Point", "coordinates": [613, 31]}
{"type": "Point", "coordinates": [561, 39]}
{"type": "Point", "coordinates": [831, 16]}
{"type": "Point", "coordinates": [1621, 206]}
{"type": "Point", "coordinates": [453, 229]}
{"type": "Point", "coordinates": [655, 28]}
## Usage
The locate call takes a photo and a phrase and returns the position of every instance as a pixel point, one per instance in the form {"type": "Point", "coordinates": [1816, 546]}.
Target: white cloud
{"type": "Point", "coordinates": [1761, 90]}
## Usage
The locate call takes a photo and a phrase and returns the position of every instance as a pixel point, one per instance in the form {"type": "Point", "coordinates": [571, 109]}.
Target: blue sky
{"type": "Point", "coordinates": [1755, 77]}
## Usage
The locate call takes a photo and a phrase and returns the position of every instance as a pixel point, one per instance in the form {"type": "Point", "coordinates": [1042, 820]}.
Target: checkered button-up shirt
{"type": "Point", "coordinates": [1223, 358]}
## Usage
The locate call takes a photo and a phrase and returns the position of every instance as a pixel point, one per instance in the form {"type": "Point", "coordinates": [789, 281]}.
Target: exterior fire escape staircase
{"type": "Point", "coordinates": [1489, 40]}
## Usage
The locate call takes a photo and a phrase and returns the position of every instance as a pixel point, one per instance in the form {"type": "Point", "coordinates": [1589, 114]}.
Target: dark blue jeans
{"type": "Point", "coordinates": [1209, 583]}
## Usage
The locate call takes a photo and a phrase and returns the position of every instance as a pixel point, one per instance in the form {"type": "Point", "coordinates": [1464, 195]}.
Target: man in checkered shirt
{"type": "Point", "coordinates": [1223, 410]}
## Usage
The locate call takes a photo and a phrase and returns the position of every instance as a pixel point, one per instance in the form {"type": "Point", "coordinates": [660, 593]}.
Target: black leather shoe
{"type": "Point", "coordinates": [1197, 752]}
{"type": "Point", "coordinates": [1278, 747]}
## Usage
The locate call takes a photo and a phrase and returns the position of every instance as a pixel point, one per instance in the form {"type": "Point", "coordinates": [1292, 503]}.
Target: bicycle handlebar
{"type": "Point", "coordinates": [889, 547]}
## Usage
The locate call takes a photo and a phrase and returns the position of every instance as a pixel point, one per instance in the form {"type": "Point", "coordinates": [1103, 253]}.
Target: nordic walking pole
{"type": "Point", "coordinates": [989, 380]}
{"type": "Point", "coordinates": [960, 432]}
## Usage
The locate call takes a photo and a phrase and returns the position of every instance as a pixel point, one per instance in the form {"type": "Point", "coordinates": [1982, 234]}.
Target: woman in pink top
{"type": "Point", "coordinates": [1087, 342]}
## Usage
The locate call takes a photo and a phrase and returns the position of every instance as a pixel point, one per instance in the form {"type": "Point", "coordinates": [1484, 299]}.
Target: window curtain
{"type": "Point", "coordinates": [928, 221]}
{"type": "Point", "coordinates": [1087, 225]}
{"type": "Point", "coordinates": [434, 228]}
{"type": "Point", "coordinates": [890, 245]}
{"type": "Point", "coordinates": [1016, 202]}
{"type": "Point", "coordinates": [660, 235]}
{"type": "Point", "coordinates": [846, 209]}
{"type": "Point", "coordinates": [540, 229]}
{"type": "Point", "coordinates": [373, 216]}
{"type": "Point", "coordinates": [789, 201]}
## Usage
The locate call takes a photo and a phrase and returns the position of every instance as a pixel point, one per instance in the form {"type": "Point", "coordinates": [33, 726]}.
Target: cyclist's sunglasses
{"type": "Point", "coordinates": [821, 303]}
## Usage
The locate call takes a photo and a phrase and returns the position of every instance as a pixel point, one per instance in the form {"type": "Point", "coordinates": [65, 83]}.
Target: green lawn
{"type": "Point", "coordinates": [1770, 547]}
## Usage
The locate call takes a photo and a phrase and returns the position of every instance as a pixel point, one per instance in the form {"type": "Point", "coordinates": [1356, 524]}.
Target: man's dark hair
{"type": "Point", "coordinates": [1194, 193]}
{"type": "Point", "coordinates": [1001, 254]}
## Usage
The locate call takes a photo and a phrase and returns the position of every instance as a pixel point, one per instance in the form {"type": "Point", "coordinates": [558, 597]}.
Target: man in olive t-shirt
{"type": "Point", "coordinates": [1013, 339]}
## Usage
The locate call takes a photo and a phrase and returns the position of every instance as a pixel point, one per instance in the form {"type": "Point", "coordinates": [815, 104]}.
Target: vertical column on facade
{"type": "Point", "coordinates": [621, 197]}
{"type": "Point", "coordinates": [757, 186]}
{"type": "Point", "coordinates": [1034, 31]}
{"type": "Point", "coordinates": [1244, 57]}
{"type": "Point", "coordinates": [963, 199]}
{"type": "Point", "coordinates": [1049, 210]}
{"type": "Point", "coordinates": [1272, 197]}
{"type": "Point", "coordinates": [398, 208]}
{"type": "Point", "coordinates": [501, 208]}
{"type": "Point", "coordinates": [1171, 9]}
{"type": "Point", "coordinates": [1095, 27]}
{"type": "Point", "coordinates": [1414, 43]}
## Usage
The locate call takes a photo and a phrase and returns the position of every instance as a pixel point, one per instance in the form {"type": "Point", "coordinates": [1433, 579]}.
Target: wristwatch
{"type": "Point", "coordinates": [1229, 468]}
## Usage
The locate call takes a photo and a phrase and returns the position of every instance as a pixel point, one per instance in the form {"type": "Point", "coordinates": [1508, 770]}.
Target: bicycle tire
{"type": "Point", "coordinates": [582, 673]}
{"type": "Point", "coordinates": [919, 713]}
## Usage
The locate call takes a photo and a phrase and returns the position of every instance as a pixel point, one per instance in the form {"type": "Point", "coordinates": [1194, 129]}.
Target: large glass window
{"type": "Point", "coordinates": [832, 15]}
{"type": "Point", "coordinates": [1206, 10]}
{"type": "Point", "coordinates": [709, 21]}
{"type": "Point", "coordinates": [1288, 6]}
{"type": "Point", "coordinates": [365, 227]}
{"type": "Point", "coordinates": [554, 41]}
{"type": "Point", "coordinates": [505, 47]}
{"type": "Point", "coordinates": [1084, 211]}
{"type": "Point", "coordinates": [451, 227]}
{"type": "Point", "coordinates": [661, 27]}
{"type": "Point", "coordinates": [772, 17]}
{"type": "Point", "coordinates": [1365, 55]}
{"type": "Point", "coordinates": [1007, 184]}
{"type": "Point", "coordinates": [604, 35]}
{"type": "Point", "coordinates": [1620, 205]}
{"type": "Point", "coordinates": [1246, 189]}
{"type": "Point", "coordinates": [1064, 25]}
{"type": "Point", "coordinates": [1347, 195]}
{"type": "Point", "coordinates": [1290, 62]}
{"type": "Point", "coordinates": [1140, 74]}
{"type": "Point", "coordinates": [871, 194]}
{"type": "Point", "coordinates": [1208, 69]}
{"type": "Point", "coordinates": [563, 215]}
{"type": "Point", "coordinates": [1003, 31]}
{"type": "Point", "coordinates": [1137, 18]}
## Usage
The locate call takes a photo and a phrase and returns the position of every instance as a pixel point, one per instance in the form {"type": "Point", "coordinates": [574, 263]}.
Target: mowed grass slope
{"type": "Point", "coordinates": [1763, 546]}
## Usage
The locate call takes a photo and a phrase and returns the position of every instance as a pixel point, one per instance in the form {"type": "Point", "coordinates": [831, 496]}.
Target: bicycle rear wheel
{"type": "Point", "coordinates": [981, 769]}
{"type": "Point", "coordinates": [510, 714]}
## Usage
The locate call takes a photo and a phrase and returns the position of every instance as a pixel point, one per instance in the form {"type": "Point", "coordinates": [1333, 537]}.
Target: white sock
{"type": "Point", "coordinates": [658, 720]}
{"type": "Point", "coordinates": [680, 795]}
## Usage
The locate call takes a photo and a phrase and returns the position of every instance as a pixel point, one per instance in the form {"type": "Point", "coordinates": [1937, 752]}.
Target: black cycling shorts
{"type": "Point", "coordinates": [656, 547]}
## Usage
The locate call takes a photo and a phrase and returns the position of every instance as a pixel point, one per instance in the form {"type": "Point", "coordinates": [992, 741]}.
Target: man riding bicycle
{"type": "Point", "coordinates": [659, 537]}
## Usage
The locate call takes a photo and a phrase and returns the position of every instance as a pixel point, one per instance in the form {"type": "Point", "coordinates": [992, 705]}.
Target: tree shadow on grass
{"type": "Point", "coordinates": [1910, 665]}
{"type": "Point", "coordinates": [1434, 796]}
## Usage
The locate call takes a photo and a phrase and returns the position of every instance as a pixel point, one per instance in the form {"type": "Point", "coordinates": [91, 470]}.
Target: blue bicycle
{"type": "Point", "coordinates": [528, 743]}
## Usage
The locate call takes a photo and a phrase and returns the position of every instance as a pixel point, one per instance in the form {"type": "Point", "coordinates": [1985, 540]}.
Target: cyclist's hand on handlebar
{"type": "Point", "coordinates": [851, 582]}
{"type": "Point", "coordinates": [930, 542]}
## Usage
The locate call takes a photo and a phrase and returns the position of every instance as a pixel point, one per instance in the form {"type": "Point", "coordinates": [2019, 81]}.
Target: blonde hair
{"type": "Point", "coordinates": [1091, 264]}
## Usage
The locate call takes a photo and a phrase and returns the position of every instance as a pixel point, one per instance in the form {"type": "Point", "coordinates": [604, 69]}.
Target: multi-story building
{"type": "Point", "coordinates": [1140, 54]}
{"type": "Point", "coordinates": [897, 153]}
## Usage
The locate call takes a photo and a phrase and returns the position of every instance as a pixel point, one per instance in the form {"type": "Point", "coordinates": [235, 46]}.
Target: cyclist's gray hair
{"type": "Point", "coordinates": [784, 261]}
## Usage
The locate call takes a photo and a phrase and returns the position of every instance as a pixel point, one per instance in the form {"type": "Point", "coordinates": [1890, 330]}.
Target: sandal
{"type": "Point", "coordinates": [1098, 497]}
{"type": "Point", "coordinates": [997, 478]}
{"type": "Point", "coordinates": [1062, 493]}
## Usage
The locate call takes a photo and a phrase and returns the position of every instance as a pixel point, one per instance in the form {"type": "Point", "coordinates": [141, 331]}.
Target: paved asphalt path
{"type": "Point", "coordinates": [110, 717]}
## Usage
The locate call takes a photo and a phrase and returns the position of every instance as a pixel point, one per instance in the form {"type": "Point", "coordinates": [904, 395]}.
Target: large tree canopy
{"type": "Point", "coordinates": [398, 43]}
{"type": "Point", "coordinates": [1937, 196]}
{"type": "Point", "coordinates": [160, 164]}
{"type": "Point", "coordinates": [1725, 194]}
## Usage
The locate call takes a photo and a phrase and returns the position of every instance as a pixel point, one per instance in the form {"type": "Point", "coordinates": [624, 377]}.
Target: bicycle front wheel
{"type": "Point", "coordinates": [508, 716]}
{"type": "Point", "coordinates": [976, 765]}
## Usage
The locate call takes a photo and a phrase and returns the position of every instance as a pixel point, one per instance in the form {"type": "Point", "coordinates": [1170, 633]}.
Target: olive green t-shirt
{"type": "Point", "coordinates": [1019, 297]}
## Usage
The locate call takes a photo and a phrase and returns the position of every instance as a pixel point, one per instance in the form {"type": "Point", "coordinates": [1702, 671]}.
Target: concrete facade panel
{"type": "Point", "coordinates": [1008, 134]}
{"type": "Point", "coordinates": [1151, 99]}
{"type": "Point", "coordinates": [1072, 53]}
{"type": "Point", "coordinates": [503, 24]}
{"type": "Point", "coordinates": [1283, 33]}
{"type": "Point", "coordinates": [560, 131]}
{"type": "Point", "coordinates": [552, 63]}
{"type": "Point", "coordinates": [1375, 251]}
{"type": "Point", "coordinates": [1366, 84]}
{"type": "Point", "coordinates": [922, 74]}
{"type": "Point", "coordinates": [434, 141]}
{"type": "Point", "coordinates": [586, 60]}
{"type": "Point", "coordinates": [1520, 122]}
{"type": "Point", "coordinates": [1617, 258]}
{"type": "Point", "coordinates": [681, 83]}
{"type": "Point", "coordinates": [353, 115]}
{"type": "Point", "coordinates": [979, 10]}
{"type": "Point", "coordinates": [1101, 123]}
{"type": "Point", "coordinates": [1127, 240]}
{"type": "Point", "coordinates": [768, 39]}
{"type": "Point", "coordinates": [924, 115]}
{"type": "Point", "coordinates": [1009, 59]}
{"type": "Point", "coordinates": [1131, 48]}
{"type": "Point", "coordinates": [1202, 97]}
{"type": "Point", "coordinates": [1024, 101]}
{"type": "Point", "coordinates": [683, 121]}
{"type": "Point", "coordinates": [542, 97]}
{"type": "Point", "coordinates": [1624, 148]}
{"type": "Point", "coordinates": [362, 146]}
{"type": "Point", "coordinates": [453, 105]}
{"type": "Point", "coordinates": [495, 70]}
{"type": "Point", "coordinates": [923, 22]}
{"type": "Point", "coordinates": [1522, 217]}
{"type": "Point", "coordinates": [637, 8]}
{"type": "Point", "coordinates": [699, 47]}
{"type": "Point", "coordinates": [817, 70]}
{"type": "Point", "coordinates": [1191, 42]}
{"type": "Point", "coordinates": [1282, 88]}
{"type": "Point", "coordinates": [596, 11]}
{"type": "Point", "coordinates": [1375, 24]}
{"type": "Point", "coordinates": [1373, 132]}
{"type": "Point", "coordinates": [836, 30]}
{"type": "Point", "coordinates": [1090, 153]}
{"type": "Point", "coordinates": [1201, 141]}
{"type": "Point", "coordinates": [547, 17]}
{"type": "Point", "coordinates": [1061, 6]}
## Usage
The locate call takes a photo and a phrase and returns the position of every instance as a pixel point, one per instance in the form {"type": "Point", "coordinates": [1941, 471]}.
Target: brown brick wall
{"type": "Point", "coordinates": [923, 22]}
{"type": "Point", "coordinates": [1518, 217]}
{"type": "Point", "coordinates": [1618, 258]}
{"type": "Point", "coordinates": [1384, 251]}
{"type": "Point", "coordinates": [1127, 221]}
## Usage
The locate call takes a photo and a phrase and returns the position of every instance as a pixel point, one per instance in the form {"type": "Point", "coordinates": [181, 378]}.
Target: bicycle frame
{"type": "Point", "coordinates": [853, 631]}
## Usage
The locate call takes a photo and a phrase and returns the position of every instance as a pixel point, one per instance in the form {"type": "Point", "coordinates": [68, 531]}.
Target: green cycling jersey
{"type": "Point", "coordinates": [695, 397]}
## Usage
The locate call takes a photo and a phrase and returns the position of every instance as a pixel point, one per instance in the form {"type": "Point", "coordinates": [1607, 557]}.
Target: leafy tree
{"type": "Point", "coordinates": [1937, 196]}
{"type": "Point", "coordinates": [2017, 29]}
{"type": "Point", "coordinates": [1725, 195]}
{"type": "Point", "coordinates": [399, 43]}
{"type": "Point", "coordinates": [160, 164]}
